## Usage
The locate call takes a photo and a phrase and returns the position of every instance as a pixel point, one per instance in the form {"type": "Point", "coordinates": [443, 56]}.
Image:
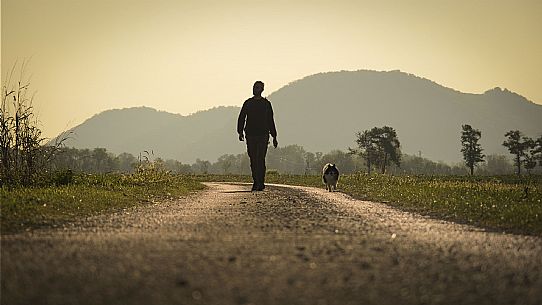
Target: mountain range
{"type": "Point", "coordinates": [322, 112]}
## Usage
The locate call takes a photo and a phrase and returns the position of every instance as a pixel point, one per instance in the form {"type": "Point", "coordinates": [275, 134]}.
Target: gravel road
{"type": "Point", "coordinates": [287, 245]}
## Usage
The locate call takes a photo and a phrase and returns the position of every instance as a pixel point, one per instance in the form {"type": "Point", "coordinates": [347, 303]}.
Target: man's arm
{"type": "Point", "coordinates": [241, 121]}
{"type": "Point", "coordinates": [271, 124]}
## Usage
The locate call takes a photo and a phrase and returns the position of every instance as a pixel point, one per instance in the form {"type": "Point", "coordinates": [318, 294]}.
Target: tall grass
{"type": "Point", "coordinates": [23, 157]}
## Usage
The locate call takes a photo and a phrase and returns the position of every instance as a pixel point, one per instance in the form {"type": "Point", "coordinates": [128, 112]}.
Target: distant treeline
{"type": "Point", "coordinates": [292, 159]}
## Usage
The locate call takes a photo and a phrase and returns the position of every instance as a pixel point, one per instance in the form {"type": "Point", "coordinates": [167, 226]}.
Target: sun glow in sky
{"type": "Point", "coordinates": [183, 56]}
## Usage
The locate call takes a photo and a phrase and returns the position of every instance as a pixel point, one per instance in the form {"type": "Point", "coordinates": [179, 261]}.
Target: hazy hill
{"type": "Point", "coordinates": [427, 116]}
{"type": "Point", "coordinates": [322, 112]}
{"type": "Point", "coordinates": [205, 134]}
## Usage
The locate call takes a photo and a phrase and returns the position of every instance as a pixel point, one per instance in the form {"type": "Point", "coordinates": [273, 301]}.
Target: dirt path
{"type": "Point", "coordinates": [287, 245]}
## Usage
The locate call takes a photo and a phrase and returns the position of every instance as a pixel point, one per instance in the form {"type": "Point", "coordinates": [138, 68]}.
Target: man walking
{"type": "Point", "coordinates": [256, 119]}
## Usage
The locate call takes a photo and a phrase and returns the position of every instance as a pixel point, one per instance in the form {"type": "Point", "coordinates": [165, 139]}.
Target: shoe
{"type": "Point", "coordinates": [255, 188]}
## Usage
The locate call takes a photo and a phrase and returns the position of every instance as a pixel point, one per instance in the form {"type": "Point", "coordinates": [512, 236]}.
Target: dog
{"type": "Point", "coordinates": [330, 176]}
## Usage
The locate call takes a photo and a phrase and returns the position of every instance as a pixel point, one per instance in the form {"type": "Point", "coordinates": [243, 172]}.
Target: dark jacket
{"type": "Point", "coordinates": [259, 118]}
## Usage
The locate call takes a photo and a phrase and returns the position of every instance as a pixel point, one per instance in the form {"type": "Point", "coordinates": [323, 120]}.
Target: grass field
{"type": "Point", "coordinates": [87, 195]}
{"type": "Point", "coordinates": [503, 203]}
{"type": "Point", "coordinates": [507, 203]}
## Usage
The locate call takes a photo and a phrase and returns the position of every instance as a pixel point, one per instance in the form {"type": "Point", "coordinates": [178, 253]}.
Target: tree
{"type": "Point", "coordinates": [126, 162]}
{"type": "Point", "coordinates": [531, 154]}
{"type": "Point", "coordinates": [344, 161]}
{"type": "Point", "coordinates": [226, 162]}
{"type": "Point", "coordinates": [288, 159]}
{"type": "Point", "coordinates": [310, 163]}
{"type": "Point", "coordinates": [472, 150]}
{"type": "Point", "coordinates": [367, 147]}
{"type": "Point", "coordinates": [202, 166]}
{"type": "Point", "coordinates": [378, 146]}
{"type": "Point", "coordinates": [389, 147]}
{"type": "Point", "coordinates": [177, 167]}
{"type": "Point", "coordinates": [529, 162]}
{"type": "Point", "coordinates": [100, 156]}
{"type": "Point", "coordinates": [517, 145]}
{"type": "Point", "coordinates": [498, 165]}
{"type": "Point", "coordinates": [536, 151]}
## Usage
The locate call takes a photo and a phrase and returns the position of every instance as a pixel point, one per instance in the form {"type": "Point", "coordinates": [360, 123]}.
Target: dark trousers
{"type": "Point", "coordinates": [257, 149]}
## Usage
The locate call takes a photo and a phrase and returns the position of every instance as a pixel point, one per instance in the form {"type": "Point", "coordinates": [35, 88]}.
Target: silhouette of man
{"type": "Point", "coordinates": [256, 120]}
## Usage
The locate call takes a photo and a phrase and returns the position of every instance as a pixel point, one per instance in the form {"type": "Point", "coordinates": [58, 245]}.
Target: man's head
{"type": "Point", "coordinates": [257, 89]}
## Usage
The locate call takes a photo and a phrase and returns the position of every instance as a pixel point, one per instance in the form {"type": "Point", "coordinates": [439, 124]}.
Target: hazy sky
{"type": "Point", "coordinates": [184, 56]}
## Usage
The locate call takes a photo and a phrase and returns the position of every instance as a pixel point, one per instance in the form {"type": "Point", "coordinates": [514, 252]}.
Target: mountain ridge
{"type": "Point", "coordinates": [426, 115]}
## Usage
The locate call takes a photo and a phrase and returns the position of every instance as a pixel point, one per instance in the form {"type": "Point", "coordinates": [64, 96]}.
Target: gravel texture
{"type": "Point", "coordinates": [287, 245]}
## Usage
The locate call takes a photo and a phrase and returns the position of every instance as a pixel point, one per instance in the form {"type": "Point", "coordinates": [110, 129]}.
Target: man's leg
{"type": "Point", "coordinates": [252, 150]}
{"type": "Point", "coordinates": [262, 151]}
